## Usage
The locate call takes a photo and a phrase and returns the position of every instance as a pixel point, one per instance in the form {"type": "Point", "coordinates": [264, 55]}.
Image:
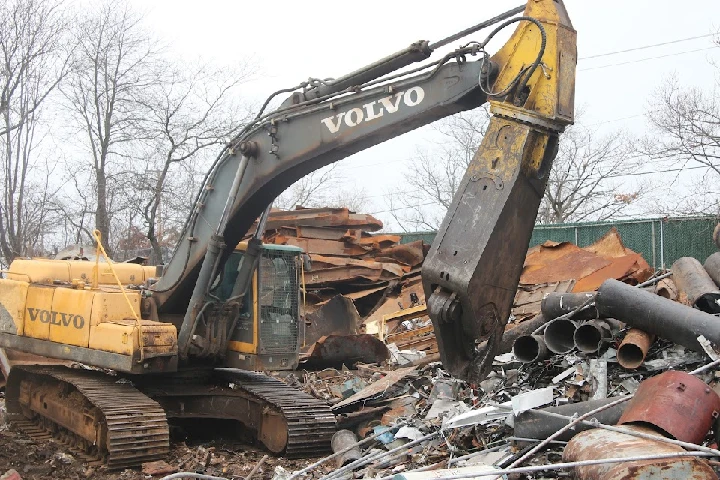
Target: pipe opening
{"type": "Point", "coordinates": [526, 349]}
{"type": "Point", "coordinates": [588, 338]}
{"type": "Point", "coordinates": [560, 336]}
{"type": "Point", "coordinates": [630, 356]}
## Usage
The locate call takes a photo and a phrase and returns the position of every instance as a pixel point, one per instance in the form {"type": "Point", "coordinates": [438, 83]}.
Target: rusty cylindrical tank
{"type": "Point", "coordinates": [677, 403]}
{"type": "Point", "coordinates": [598, 444]}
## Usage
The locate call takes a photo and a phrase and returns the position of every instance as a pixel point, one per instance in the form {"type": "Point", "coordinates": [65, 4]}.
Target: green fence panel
{"type": "Point", "coordinates": [660, 241]}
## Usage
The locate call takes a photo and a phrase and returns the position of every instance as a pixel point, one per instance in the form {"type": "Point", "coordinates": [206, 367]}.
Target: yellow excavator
{"type": "Point", "coordinates": [186, 340]}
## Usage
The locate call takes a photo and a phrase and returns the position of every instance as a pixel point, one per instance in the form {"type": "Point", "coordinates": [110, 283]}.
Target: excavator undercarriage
{"type": "Point", "coordinates": [124, 423]}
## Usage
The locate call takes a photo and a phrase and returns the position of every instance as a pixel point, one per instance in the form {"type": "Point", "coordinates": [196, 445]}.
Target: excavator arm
{"type": "Point", "coordinates": [473, 267]}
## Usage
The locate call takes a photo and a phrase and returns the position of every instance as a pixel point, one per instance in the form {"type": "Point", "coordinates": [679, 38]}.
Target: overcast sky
{"type": "Point", "coordinates": [291, 41]}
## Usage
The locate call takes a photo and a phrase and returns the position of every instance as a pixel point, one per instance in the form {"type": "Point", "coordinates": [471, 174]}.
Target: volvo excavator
{"type": "Point", "coordinates": [187, 340]}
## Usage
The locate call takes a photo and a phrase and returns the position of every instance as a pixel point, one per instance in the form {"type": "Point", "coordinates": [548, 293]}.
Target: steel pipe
{"type": "Point", "coordinates": [560, 335]}
{"type": "Point", "coordinates": [530, 348]}
{"type": "Point", "coordinates": [712, 267]}
{"type": "Point", "coordinates": [598, 444]}
{"type": "Point", "coordinates": [657, 315]}
{"type": "Point", "coordinates": [692, 279]}
{"type": "Point", "coordinates": [557, 304]}
{"type": "Point", "coordinates": [536, 424]}
{"type": "Point", "coordinates": [591, 336]}
{"type": "Point", "coordinates": [634, 347]}
{"type": "Point", "coordinates": [341, 440]}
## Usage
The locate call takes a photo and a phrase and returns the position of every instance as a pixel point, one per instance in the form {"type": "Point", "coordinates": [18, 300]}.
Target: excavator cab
{"type": "Point", "coordinates": [266, 332]}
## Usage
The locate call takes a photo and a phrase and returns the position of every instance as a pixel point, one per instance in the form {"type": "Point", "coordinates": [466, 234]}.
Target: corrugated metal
{"type": "Point", "coordinates": [660, 241]}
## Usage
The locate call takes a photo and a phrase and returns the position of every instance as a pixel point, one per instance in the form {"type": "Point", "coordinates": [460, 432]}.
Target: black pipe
{"type": "Point", "coordinates": [560, 335]}
{"type": "Point", "coordinates": [557, 304]}
{"type": "Point", "coordinates": [530, 348]}
{"type": "Point", "coordinates": [533, 424]}
{"type": "Point", "coordinates": [591, 336]}
{"type": "Point", "coordinates": [692, 279]}
{"type": "Point", "coordinates": [526, 327]}
{"type": "Point", "coordinates": [655, 314]}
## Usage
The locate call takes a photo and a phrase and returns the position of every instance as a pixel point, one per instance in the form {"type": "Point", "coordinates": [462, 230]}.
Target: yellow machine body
{"type": "Point", "coordinates": [52, 309]}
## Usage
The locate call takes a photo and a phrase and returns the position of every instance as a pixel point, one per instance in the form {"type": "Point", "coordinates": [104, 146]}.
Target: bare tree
{"type": "Point", "coordinates": [116, 61]}
{"type": "Point", "coordinates": [583, 182]}
{"type": "Point", "coordinates": [326, 187]}
{"type": "Point", "coordinates": [686, 127]}
{"type": "Point", "coordinates": [33, 64]}
{"type": "Point", "coordinates": [436, 173]}
{"type": "Point", "coordinates": [582, 185]}
{"type": "Point", "coordinates": [189, 113]}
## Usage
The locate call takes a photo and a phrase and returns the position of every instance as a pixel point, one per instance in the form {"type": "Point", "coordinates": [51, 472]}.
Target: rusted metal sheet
{"type": "Point", "coordinates": [325, 233]}
{"type": "Point", "coordinates": [334, 351]}
{"type": "Point", "coordinates": [323, 261]}
{"type": "Point", "coordinates": [597, 444]}
{"type": "Point", "coordinates": [657, 315]}
{"type": "Point", "coordinates": [378, 241]}
{"type": "Point", "coordinates": [411, 254]}
{"type": "Point", "coordinates": [609, 245]}
{"type": "Point", "coordinates": [632, 350]}
{"type": "Point", "coordinates": [576, 264]}
{"type": "Point", "coordinates": [326, 247]}
{"type": "Point", "coordinates": [337, 317]}
{"type": "Point", "coordinates": [589, 266]}
{"type": "Point", "coordinates": [693, 280]}
{"type": "Point", "coordinates": [323, 217]}
{"type": "Point", "coordinates": [631, 269]}
{"type": "Point", "coordinates": [677, 403]}
{"type": "Point", "coordinates": [376, 388]}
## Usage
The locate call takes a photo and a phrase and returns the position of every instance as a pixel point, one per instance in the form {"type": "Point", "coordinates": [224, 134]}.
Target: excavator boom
{"type": "Point", "coordinates": [473, 268]}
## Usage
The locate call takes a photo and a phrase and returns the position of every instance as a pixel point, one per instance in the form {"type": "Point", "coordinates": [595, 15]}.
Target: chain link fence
{"type": "Point", "coordinates": [661, 241]}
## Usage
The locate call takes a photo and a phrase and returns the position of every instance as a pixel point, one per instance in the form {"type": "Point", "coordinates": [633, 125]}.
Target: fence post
{"type": "Point", "coordinates": [652, 233]}
{"type": "Point", "coordinates": [662, 245]}
{"type": "Point", "coordinates": [576, 236]}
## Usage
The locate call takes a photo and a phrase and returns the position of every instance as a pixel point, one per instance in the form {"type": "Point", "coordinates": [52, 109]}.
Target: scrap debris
{"type": "Point", "coordinates": [601, 361]}
{"type": "Point", "coordinates": [585, 354]}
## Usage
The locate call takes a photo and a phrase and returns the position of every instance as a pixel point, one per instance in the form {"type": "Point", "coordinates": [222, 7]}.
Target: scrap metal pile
{"type": "Point", "coordinates": [603, 358]}
{"type": "Point", "coordinates": [353, 276]}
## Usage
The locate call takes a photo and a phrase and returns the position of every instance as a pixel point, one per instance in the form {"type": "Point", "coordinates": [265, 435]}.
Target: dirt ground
{"type": "Point", "coordinates": [35, 460]}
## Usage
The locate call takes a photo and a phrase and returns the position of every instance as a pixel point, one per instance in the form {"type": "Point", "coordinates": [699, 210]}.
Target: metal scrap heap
{"type": "Point", "coordinates": [607, 371]}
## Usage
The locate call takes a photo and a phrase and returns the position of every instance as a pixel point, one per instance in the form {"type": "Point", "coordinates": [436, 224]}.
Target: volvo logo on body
{"type": "Point", "coordinates": [56, 318]}
{"type": "Point", "coordinates": [373, 110]}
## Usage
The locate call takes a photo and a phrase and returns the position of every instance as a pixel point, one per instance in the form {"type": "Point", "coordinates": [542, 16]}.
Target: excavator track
{"type": "Point", "coordinates": [310, 422]}
{"type": "Point", "coordinates": [91, 412]}
{"type": "Point", "coordinates": [104, 418]}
